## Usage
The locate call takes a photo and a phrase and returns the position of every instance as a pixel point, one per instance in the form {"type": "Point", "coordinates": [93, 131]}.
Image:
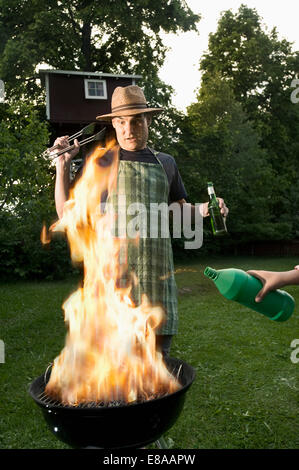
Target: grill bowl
{"type": "Point", "coordinates": [124, 426]}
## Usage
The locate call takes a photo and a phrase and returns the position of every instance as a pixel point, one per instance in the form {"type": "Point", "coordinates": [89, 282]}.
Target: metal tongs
{"type": "Point", "coordinates": [85, 131]}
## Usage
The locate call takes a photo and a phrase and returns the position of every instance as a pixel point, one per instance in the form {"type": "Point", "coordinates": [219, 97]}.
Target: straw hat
{"type": "Point", "coordinates": [128, 101]}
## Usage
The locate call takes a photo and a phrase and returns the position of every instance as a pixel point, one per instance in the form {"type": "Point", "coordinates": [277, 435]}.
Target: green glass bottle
{"type": "Point", "coordinates": [235, 284]}
{"type": "Point", "coordinates": [217, 220]}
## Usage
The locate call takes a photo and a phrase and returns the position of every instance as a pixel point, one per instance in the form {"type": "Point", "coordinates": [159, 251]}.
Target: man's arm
{"type": "Point", "coordinates": [63, 164]}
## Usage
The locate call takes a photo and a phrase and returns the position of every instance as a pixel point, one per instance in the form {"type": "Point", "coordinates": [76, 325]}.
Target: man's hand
{"type": "Point", "coordinates": [223, 209]}
{"type": "Point", "coordinates": [63, 142]}
{"type": "Point", "coordinates": [62, 182]}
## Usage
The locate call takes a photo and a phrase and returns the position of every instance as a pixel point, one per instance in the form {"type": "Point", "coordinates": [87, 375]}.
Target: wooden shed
{"type": "Point", "coordinates": [78, 97]}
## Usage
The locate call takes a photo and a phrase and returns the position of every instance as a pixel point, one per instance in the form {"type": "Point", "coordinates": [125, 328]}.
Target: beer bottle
{"type": "Point", "coordinates": [217, 220]}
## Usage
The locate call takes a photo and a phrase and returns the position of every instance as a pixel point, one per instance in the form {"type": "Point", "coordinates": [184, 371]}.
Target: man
{"type": "Point", "coordinates": [145, 176]}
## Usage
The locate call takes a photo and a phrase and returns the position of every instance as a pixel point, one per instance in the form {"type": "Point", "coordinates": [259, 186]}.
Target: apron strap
{"type": "Point", "coordinates": [156, 153]}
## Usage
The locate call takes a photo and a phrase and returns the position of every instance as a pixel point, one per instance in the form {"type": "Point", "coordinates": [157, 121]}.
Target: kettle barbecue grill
{"type": "Point", "coordinates": [113, 426]}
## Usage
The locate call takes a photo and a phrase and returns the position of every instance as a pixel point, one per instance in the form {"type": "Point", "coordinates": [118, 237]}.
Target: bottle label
{"type": "Point", "coordinates": [211, 190]}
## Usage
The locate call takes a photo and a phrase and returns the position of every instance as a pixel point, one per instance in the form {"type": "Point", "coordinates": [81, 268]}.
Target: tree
{"type": "Point", "coordinates": [89, 35]}
{"type": "Point", "coordinates": [260, 69]}
{"type": "Point", "coordinates": [220, 144]}
{"type": "Point", "coordinates": [26, 197]}
{"type": "Point", "coordinates": [24, 175]}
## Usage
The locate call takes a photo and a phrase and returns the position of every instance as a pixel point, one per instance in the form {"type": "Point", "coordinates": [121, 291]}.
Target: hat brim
{"type": "Point", "coordinates": [129, 112]}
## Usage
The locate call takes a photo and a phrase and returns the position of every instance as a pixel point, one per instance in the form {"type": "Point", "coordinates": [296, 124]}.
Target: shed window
{"type": "Point", "coordinates": [95, 89]}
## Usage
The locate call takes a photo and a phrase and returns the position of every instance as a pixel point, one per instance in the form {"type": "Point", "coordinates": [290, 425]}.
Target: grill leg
{"type": "Point", "coordinates": [161, 443]}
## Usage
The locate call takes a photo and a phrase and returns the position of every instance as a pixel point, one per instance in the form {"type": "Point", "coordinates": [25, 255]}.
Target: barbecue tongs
{"type": "Point", "coordinates": [51, 154]}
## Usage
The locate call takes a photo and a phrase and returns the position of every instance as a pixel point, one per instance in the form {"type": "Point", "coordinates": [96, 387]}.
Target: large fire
{"type": "Point", "coordinates": [110, 351]}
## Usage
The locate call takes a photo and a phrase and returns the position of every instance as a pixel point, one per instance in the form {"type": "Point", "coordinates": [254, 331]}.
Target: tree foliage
{"type": "Point", "coordinates": [260, 69]}
{"type": "Point", "coordinates": [26, 197]}
{"type": "Point", "coordinates": [90, 35]}
{"type": "Point", "coordinates": [24, 175]}
{"type": "Point", "coordinates": [223, 147]}
{"type": "Point", "coordinates": [241, 131]}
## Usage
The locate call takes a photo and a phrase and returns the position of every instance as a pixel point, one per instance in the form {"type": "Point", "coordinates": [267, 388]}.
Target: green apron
{"type": "Point", "coordinates": [151, 258]}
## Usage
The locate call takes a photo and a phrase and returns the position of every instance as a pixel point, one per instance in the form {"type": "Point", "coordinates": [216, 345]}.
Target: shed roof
{"type": "Point", "coordinates": [87, 74]}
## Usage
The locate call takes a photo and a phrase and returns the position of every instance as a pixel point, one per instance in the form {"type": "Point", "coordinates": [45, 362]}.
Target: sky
{"type": "Point", "coordinates": [182, 61]}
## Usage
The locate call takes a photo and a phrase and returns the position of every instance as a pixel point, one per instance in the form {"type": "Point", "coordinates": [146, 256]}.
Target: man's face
{"type": "Point", "coordinates": [132, 131]}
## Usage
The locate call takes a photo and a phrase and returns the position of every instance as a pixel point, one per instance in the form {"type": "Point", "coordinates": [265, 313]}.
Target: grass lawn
{"type": "Point", "coordinates": [246, 392]}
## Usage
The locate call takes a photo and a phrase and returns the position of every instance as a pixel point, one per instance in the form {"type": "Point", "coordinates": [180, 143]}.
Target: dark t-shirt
{"type": "Point", "coordinates": [176, 186]}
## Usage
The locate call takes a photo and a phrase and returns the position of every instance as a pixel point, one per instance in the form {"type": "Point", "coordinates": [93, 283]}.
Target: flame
{"type": "Point", "coordinates": [110, 350]}
{"type": "Point", "coordinates": [44, 237]}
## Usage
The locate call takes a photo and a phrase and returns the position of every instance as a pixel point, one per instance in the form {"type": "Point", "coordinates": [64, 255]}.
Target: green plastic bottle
{"type": "Point", "coordinates": [235, 284]}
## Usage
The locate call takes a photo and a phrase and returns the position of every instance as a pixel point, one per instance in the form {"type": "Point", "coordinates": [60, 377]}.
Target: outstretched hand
{"type": "Point", "coordinates": [271, 281]}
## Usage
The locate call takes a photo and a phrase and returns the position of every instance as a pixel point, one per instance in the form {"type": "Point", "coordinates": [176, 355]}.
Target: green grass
{"type": "Point", "coordinates": [246, 391]}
